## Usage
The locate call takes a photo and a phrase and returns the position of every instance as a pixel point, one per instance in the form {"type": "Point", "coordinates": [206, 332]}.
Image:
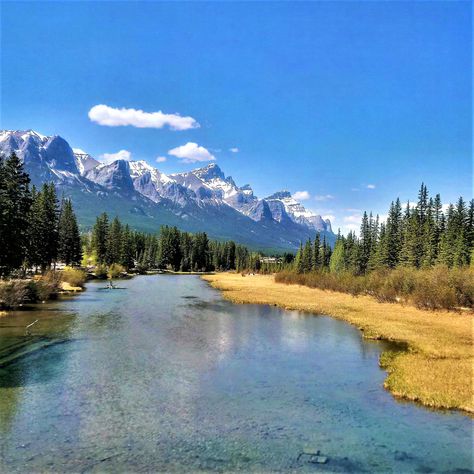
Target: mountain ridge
{"type": "Point", "coordinates": [201, 199]}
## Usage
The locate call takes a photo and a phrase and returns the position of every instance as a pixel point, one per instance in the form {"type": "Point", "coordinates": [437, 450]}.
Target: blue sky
{"type": "Point", "coordinates": [349, 103]}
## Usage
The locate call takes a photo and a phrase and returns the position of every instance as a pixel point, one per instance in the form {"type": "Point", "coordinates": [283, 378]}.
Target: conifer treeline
{"type": "Point", "coordinates": [115, 243]}
{"type": "Point", "coordinates": [419, 236]}
{"type": "Point", "coordinates": [35, 229]}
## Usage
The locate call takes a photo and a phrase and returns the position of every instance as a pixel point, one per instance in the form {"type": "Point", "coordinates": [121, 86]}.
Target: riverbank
{"type": "Point", "coordinates": [437, 368]}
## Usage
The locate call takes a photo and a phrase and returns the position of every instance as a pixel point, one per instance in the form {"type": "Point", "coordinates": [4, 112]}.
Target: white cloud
{"type": "Point", "coordinates": [371, 186]}
{"type": "Point", "coordinates": [351, 227]}
{"type": "Point", "coordinates": [323, 197]}
{"type": "Point", "coordinates": [192, 152]}
{"type": "Point", "coordinates": [353, 219]}
{"type": "Point", "coordinates": [331, 217]}
{"type": "Point", "coordinates": [160, 159]}
{"type": "Point", "coordinates": [234, 149]}
{"type": "Point", "coordinates": [301, 195]}
{"type": "Point", "coordinates": [112, 117]}
{"type": "Point", "coordinates": [108, 158]}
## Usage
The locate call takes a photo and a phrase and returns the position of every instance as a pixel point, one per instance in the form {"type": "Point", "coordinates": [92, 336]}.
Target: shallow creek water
{"type": "Point", "coordinates": [165, 375]}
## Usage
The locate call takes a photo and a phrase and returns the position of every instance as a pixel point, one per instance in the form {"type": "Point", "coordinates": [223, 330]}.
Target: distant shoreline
{"type": "Point", "coordinates": [436, 368]}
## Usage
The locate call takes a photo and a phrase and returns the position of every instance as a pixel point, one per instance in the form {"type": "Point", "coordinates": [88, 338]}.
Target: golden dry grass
{"type": "Point", "coordinates": [437, 369]}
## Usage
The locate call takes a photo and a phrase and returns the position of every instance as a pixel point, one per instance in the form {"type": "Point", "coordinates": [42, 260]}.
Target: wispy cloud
{"type": "Point", "coordinates": [108, 158]}
{"type": "Point", "coordinates": [192, 152]}
{"type": "Point", "coordinates": [371, 186]}
{"type": "Point", "coordinates": [113, 117]}
{"type": "Point", "coordinates": [160, 159]}
{"type": "Point", "coordinates": [351, 227]}
{"type": "Point", "coordinates": [331, 217]}
{"type": "Point", "coordinates": [323, 197]}
{"type": "Point", "coordinates": [301, 195]}
{"type": "Point", "coordinates": [352, 219]}
{"type": "Point", "coordinates": [234, 149]}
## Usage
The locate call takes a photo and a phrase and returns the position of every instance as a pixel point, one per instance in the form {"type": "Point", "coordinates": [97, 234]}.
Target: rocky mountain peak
{"type": "Point", "coordinates": [209, 172]}
{"type": "Point", "coordinates": [280, 195]}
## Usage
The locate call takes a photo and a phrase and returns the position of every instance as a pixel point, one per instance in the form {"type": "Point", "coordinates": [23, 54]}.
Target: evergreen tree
{"type": "Point", "coordinates": [127, 249]}
{"type": "Point", "coordinates": [35, 239]}
{"type": "Point", "coordinates": [15, 202]}
{"type": "Point", "coordinates": [307, 257]}
{"type": "Point", "coordinates": [69, 246]}
{"type": "Point", "coordinates": [316, 251]}
{"type": "Point", "coordinates": [100, 233]}
{"type": "Point", "coordinates": [299, 260]}
{"type": "Point", "coordinates": [44, 235]}
{"type": "Point", "coordinates": [408, 252]}
{"type": "Point", "coordinates": [392, 241]}
{"type": "Point", "coordinates": [381, 256]}
{"type": "Point", "coordinates": [365, 245]}
{"type": "Point", "coordinates": [113, 251]}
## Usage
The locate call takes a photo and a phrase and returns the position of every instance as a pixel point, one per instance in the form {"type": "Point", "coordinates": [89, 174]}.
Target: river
{"type": "Point", "coordinates": [166, 375]}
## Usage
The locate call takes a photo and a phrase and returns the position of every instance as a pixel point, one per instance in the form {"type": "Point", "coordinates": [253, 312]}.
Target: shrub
{"type": "Point", "coordinates": [432, 288]}
{"type": "Point", "coordinates": [13, 293]}
{"type": "Point", "coordinates": [48, 285]}
{"type": "Point", "coordinates": [74, 276]}
{"type": "Point", "coordinates": [115, 270]}
{"type": "Point", "coordinates": [462, 281]}
{"type": "Point", "coordinates": [100, 271]}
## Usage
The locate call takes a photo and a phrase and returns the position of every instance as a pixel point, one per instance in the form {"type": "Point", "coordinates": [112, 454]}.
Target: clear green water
{"type": "Point", "coordinates": [167, 376]}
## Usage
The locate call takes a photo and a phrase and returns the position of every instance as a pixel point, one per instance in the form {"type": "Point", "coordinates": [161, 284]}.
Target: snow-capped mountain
{"type": "Point", "coordinates": [299, 213]}
{"type": "Point", "coordinates": [201, 199]}
{"type": "Point", "coordinates": [84, 161]}
{"type": "Point", "coordinates": [46, 158]}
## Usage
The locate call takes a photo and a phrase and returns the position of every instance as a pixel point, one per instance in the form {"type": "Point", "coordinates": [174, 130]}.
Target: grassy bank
{"type": "Point", "coordinates": [437, 368]}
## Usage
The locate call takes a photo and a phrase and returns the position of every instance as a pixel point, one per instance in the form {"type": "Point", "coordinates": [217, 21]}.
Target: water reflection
{"type": "Point", "coordinates": [168, 376]}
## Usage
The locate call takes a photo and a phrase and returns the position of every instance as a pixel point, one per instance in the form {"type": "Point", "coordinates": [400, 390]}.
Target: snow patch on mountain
{"type": "Point", "coordinates": [299, 213]}
{"type": "Point", "coordinates": [84, 161]}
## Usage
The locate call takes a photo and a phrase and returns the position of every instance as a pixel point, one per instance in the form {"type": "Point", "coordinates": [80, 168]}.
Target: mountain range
{"type": "Point", "coordinates": [204, 199]}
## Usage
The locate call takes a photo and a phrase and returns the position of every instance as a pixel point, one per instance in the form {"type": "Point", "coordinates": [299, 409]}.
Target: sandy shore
{"type": "Point", "coordinates": [437, 368]}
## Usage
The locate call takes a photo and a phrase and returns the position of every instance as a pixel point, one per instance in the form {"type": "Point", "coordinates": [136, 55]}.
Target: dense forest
{"type": "Point", "coordinates": [420, 255]}
{"type": "Point", "coordinates": [115, 243]}
{"type": "Point", "coordinates": [418, 236]}
{"type": "Point", "coordinates": [36, 229]}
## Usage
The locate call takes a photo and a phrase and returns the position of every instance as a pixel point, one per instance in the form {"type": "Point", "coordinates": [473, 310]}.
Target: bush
{"type": "Point", "coordinates": [74, 276]}
{"type": "Point", "coordinates": [100, 271]}
{"type": "Point", "coordinates": [115, 271]}
{"type": "Point", "coordinates": [13, 293]}
{"type": "Point", "coordinates": [48, 285]}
